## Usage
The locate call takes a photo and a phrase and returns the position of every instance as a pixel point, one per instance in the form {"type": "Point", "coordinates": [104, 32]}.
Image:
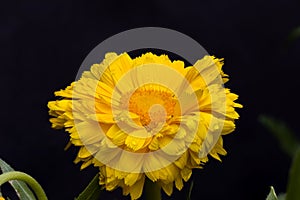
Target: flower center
{"type": "Point", "coordinates": [153, 103]}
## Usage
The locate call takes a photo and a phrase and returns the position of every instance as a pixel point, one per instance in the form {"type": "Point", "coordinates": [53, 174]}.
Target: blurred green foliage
{"type": "Point", "coordinates": [290, 145]}
{"type": "Point", "coordinates": [284, 135]}
{"type": "Point", "coordinates": [294, 35]}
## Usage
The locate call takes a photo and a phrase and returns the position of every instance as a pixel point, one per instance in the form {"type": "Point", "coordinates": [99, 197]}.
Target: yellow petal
{"type": "Point", "coordinates": [129, 162]}
{"type": "Point", "coordinates": [89, 132]}
{"type": "Point", "coordinates": [135, 143]}
{"type": "Point", "coordinates": [154, 162]}
{"type": "Point", "coordinates": [179, 183]}
{"type": "Point", "coordinates": [98, 69]}
{"type": "Point", "coordinates": [174, 147]}
{"type": "Point", "coordinates": [154, 144]}
{"type": "Point", "coordinates": [113, 67]}
{"type": "Point", "coordinates": [228, 127]}
{"type": "Point", "coordinates": [116, 135]}
{"type": "Point", "coordinates": [104, 118]}
{"type": "Point", "coordinates": [84, 153]}
{"type": "Point", "coordinates": [168, 188]}
{"type": "Point", "coordinates": [131, 178]}
{"type": "Point", "coordinates": [85, 164]}
{"type": "Point", "coordinates": [194, 158]}
{"type": "Point", "coordinates": [137, 189]}
{"type": "Point", "coordinates": [181, 162]}
{"type": "Point", "coordinates": [67, 93]}
{"type": "Point", "coordinates": [186, 173]}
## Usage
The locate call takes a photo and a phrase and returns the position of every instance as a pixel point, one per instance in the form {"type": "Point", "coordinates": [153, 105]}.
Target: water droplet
{"type": "Point", "coordinates": [216, 127]}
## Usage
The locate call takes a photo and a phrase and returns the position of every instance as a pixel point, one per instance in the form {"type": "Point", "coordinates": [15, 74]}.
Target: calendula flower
{"type": "Point", "coordinates": [146, 117]}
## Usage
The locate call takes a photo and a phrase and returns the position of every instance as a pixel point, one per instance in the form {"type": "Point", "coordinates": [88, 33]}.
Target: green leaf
{"type": "Point", "coordinates": [20, 187]}
{"type": "Point", "coordinates": [293, 190]}
{"type": "Point", "coordinates": [285, 136]}
{"type": "Point", "coordinates": [92, 191]}
{"type": "Point", "coordinates": [272, 195]}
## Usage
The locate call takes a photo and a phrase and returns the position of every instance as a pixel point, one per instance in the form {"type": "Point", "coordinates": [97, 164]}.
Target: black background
{"type": "Point", "coordinates": [44, 42]}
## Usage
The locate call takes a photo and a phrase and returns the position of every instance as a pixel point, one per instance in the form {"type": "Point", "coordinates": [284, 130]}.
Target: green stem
{"type": "Point", "coordinates": [190, 190]}
{"type": "Point", "coordinates": [34, 185]}
{"type": "Point", "coordinates": [152, 190]}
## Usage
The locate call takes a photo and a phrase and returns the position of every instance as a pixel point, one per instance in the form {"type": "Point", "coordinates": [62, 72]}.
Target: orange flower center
{"type": "Point", "coordinates": [153, 103]}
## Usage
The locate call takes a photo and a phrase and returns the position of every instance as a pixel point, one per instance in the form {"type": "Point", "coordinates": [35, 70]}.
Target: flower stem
{"type": "Point", "coordinates": [152, 190]}
{"type": "Point", "coordinates": [34, 185]}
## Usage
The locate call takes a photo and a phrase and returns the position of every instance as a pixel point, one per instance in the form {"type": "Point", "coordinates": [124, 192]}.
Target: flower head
{"type": "Point", "coordinates": [146, 117]}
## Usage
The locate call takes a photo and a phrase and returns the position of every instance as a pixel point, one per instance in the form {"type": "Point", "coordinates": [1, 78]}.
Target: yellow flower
{"type": "Point", "coordinates": [146, 117]}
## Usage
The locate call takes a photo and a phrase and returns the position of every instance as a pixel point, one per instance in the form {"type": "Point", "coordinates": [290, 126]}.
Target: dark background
{"type": "Point", "coordinates": [44, 42]}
